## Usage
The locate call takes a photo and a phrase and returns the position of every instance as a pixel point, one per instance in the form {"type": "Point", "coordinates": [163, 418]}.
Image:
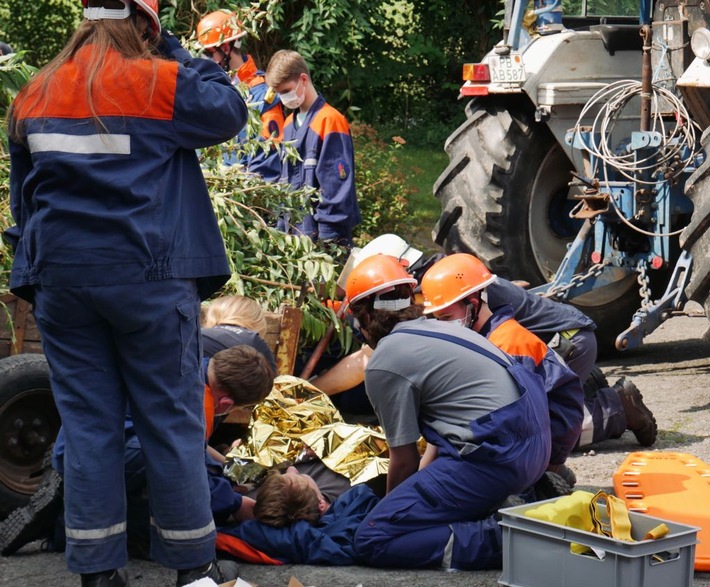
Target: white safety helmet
{"type": "Point", "coordinates": [392, 245]}
{"type": "Point", "coordinates": [387, 244]}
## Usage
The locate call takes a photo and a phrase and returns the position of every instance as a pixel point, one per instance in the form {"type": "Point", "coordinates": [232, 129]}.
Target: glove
{"type": "Point", "coordinates": [171, 48]}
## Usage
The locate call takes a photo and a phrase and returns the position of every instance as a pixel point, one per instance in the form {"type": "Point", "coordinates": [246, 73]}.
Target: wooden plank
{"type": "Point", "coordinates": [287, 347]}
{"type": "Point", "coordinates": [18, 331]}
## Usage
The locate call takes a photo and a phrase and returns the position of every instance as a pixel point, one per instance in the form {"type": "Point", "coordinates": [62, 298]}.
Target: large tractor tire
{"type": "Point", "coordinates": [509, 177]}
{"type": "Point", "coordinates": [29, 424]}
{"type": "Point", "coordinates": [696, 237]}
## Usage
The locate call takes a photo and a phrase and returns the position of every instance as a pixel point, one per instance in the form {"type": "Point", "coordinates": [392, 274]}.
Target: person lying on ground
{"type": "Point", "coordinates": [297, 524]}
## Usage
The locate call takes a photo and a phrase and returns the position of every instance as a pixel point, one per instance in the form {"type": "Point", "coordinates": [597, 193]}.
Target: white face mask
{"type": "Point", "coordinates": [291, 99]}
{"type": "Point", "coordinates": [465, 321]}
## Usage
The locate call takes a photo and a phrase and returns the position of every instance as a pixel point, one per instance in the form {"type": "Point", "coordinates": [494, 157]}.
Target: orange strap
{"type": "Point", "coordinates": [243, 551]}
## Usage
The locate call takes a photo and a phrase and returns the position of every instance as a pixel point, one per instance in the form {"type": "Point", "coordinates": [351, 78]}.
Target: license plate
{"type": "Point", "coordinates": [506, 68]}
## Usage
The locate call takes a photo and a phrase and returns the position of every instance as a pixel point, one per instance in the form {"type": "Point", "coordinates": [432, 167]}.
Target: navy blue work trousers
{"type": "Point", "coordinates": [443, 515]}
{"type": "Point", "coordinates": [133, 346]}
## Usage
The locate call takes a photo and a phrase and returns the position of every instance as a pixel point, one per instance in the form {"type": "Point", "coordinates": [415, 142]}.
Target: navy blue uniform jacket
{"type": "Point", "coordinates": [330, 542]}
{"type": "Point", "coordinates": [125, 203]}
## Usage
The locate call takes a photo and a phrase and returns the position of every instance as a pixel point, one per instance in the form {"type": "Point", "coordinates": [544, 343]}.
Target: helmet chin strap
{"type": "Point", "coordinates": [473, 309]}
{"type": "Point", "coordinates": [224, 64]}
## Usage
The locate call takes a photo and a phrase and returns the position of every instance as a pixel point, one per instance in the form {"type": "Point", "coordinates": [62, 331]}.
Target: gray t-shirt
{"type": "Point", "coordinates": [412, 378]}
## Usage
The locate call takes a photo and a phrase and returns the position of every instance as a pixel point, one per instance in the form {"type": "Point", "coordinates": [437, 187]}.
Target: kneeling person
{"type": "Point", "coordinates": [486, 414]}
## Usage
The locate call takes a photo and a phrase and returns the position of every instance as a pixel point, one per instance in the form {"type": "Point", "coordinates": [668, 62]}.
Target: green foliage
{"type": "Point", "coordinates": [40, 28]}
{"type": "Point", "coordinates": [267, 265]}
{"type": "Point", "coordinates": [381, 184]}
{"type": "Point", "coordinates": [14, 73]}
{"type": "Point", "coordinates": [395, 63]}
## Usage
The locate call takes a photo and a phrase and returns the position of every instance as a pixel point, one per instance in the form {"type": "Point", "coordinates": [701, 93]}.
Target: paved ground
{"type": "Point", "coordinates": [673, 372]}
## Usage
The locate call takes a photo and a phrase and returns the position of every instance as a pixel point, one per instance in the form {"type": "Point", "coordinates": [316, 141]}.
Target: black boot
{"type": "Point", "coordinates": [639, 419]}
{"type": "Point", "coordinates": [218, 571]}
{"type": "Point", "coordinates": [114, 578]}
{"type": "Point", "coordinates": [551, 485]}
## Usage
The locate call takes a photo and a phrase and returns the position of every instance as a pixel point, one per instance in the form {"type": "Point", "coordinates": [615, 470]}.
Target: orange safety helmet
{"type": "Point", "coordinates": [148, 7]}
{"type": "Point", "coordinates": [452, 279]}
{"type": "Point", "coordinates": [218, 27]}
{"type": "Point", "coordinates": [377, 275]}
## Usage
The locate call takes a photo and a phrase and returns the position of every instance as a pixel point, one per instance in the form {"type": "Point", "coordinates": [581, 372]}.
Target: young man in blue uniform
{"type": "Point", "coordinates": [221, 36]}
{"type": "Point", "coordinates": [321, 135]}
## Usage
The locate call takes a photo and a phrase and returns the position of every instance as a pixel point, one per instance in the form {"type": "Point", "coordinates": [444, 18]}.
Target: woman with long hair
{"type": "Point", "coordinates": [115, 244]}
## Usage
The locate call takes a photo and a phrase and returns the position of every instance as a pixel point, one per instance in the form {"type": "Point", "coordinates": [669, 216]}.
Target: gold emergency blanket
{"type": "Point", "coordinates": [356, 452]}
{"type": "Point", "coordinates": [295, 411]}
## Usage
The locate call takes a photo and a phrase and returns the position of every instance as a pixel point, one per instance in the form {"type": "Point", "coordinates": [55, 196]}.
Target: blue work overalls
{"type": "Point", "coordinates": [116, 243]}
{"type": "Point", "coordinates": [443, 514]}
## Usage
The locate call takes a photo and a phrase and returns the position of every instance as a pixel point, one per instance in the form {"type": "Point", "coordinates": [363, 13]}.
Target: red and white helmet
{"type": "Point", "coordinates": [377, 275]}
{"type": "Point", "coordinates": [218, 27]}
{"type": "Point", "coordinates": [453, 279]}
{"type": "Point", "coordinates": [147, 7]}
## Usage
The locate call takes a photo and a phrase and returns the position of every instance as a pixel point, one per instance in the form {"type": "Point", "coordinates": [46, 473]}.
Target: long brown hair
{"type": "Point", "coordinates": [381, 322]}
{"type": "Point", "coordinates": [121, 36]}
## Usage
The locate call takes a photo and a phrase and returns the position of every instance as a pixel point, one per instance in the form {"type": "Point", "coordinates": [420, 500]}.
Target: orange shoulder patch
{"type": "Point", "coordinates": [517, 340]}
{"type": "Point", "coordinates": [138, 88]}
{"type": "Point", "coordinates": [328, 120]}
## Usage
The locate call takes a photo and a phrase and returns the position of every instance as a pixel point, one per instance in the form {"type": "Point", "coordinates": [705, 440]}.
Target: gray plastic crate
{"type": "Point", "coordinates": [537, 554]}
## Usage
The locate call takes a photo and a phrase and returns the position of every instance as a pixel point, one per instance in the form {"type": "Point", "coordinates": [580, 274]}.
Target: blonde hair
{"type": "Point", "coordinates": [104, 36]}
{"type": "Point", "coordinates": [235, 311]}
{"type": "Point", "coordinates": [284, 66]}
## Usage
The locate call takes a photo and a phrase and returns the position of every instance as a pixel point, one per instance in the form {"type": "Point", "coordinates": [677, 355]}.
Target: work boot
{"type": "Point", "coordinates": [114, 578]}
{"type": "Point", "coordinates": [551, 485]}
{"type": "Point", "coordinates": [218, 571]}
{"type": "Point", "coordinates": [37, 519]}
{"type": "Point", "coordinates": [565, 472]}
{"type": "Point", "coordinates": [639, 419]}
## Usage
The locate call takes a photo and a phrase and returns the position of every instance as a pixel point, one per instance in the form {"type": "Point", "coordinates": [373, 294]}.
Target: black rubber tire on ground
{"type": "Point", "coordinates": [696, 237]}
{"type": "Point", "coordinates": [510, 178]}
{"type": "Point", "coordinates": [29, 424]}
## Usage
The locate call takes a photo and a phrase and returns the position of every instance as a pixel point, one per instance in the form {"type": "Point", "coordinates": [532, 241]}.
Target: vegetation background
{"type": "Point", "coordinates": [393, 66]}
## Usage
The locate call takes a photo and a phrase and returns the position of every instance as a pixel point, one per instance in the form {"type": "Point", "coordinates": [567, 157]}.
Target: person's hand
{"type": "Point", "coordinates": [246, 511]}
{"type": "Point", "coordinates": [171, 48]}
{"type": "Point", "coordinates": [168, 42]}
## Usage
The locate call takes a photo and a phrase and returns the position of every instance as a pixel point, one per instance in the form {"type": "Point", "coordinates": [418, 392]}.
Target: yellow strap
{"type": "Point", "coordinates": [615, 523]}
{"type": "Point", "coordinates": [569, 333]}
{"type": "Point", "coordinates": [658, 532]}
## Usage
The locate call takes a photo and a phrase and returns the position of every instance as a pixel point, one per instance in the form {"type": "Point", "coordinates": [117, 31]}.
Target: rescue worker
{"type": "Point", "coordinates": [458, 282]}
{"type": "Point", "coordinates": [486, 414]}
{"type": "Point", "coordinates": [116, 243]}
{"type": "Point", "coordinates": [321, 135]}
{"type": "Point", "coordinates": [608, 411]}
{"type": "Point", "coordinates": [220, 34]}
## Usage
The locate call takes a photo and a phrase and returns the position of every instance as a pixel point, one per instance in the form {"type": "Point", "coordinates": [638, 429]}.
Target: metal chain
{"type": "Point", "coordinates": [643, 280]}
{"type": "Point", "coordinates": [560, 291]}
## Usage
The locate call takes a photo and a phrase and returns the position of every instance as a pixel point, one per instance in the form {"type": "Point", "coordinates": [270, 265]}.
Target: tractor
{"type": "Point", "coordinates": [580, 167]}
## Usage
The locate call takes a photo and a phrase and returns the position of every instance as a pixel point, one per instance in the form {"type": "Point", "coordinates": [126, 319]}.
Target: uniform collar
{"type": "Point", "coordinates": [247, 71]}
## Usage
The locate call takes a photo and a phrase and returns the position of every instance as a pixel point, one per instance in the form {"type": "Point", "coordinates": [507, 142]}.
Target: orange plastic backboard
{"type": "Point", "coordinates": [670, 485]}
